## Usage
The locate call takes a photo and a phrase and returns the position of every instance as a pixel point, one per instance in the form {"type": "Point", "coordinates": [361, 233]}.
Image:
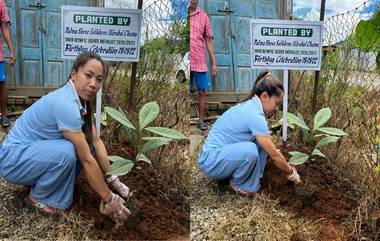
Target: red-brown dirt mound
{"type": "Point", "coordinates": [331, 203]}
{"type": "Point", "coordinates": [159, 218]}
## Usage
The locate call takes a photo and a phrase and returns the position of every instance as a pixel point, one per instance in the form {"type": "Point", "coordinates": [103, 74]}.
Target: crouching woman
{"type": "Point", "coordinates": [238, 143]}
{"type": "Point", "coordinates": [50, 144]}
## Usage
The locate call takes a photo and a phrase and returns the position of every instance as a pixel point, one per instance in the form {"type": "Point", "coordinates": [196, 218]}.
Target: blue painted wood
{"type": "Point", "coordinates": [30, 43]}
{"type": "Point", "coordinates": [232, 40]}
{"type": "Point", "coordinates": [36, 33]}
{"type": "Point", "coordinates": [220, 22]}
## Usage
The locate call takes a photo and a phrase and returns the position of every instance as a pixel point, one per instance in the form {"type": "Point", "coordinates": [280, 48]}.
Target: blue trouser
{"type": "Point", "coordinates": [242, 162]}
{"type": "Point", "coordinates": [49, 166]}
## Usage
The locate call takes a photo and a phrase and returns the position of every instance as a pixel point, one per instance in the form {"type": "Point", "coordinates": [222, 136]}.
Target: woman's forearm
{"type": "Point", "coordinates": [95, 178]}
{"type": "Point", "coordinates": [280, 162]}
{"type": "Point", "coordinates": [101, 155]}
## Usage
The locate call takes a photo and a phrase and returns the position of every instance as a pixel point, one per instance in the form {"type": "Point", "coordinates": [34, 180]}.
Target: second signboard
{"type": "Point", "coordinates": [282, 44]}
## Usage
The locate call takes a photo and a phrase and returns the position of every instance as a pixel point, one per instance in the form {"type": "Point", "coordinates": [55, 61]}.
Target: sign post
{"type": "Point", "coordinates": [112, 33]}
{"type": "Point", "coordinates": [286, 45]}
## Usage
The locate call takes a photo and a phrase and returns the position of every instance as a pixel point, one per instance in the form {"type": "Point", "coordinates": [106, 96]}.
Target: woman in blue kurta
{"type": "Point", "coordinates": [50, 144]}
{"type": "Point", "coordinates": [239, 142]}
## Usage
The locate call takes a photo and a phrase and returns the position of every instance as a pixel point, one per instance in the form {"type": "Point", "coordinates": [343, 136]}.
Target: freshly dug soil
{"type": "Point", "coordinates": [329, 202]}
{"type": "Point", "coordinates": [158, 218]}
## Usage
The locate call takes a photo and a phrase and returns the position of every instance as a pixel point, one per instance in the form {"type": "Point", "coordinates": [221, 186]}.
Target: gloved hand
{"type": "Point", "coordinates": [115, 209]}
{"type": "Point", "coordinates": [120, 187]}
{"type": "Point", "coordinates": [294, 177]}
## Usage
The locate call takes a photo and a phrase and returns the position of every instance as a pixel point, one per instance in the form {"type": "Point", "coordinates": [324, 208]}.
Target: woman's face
{"type": "Point", "coordinates": [270, 103]}
{"type": "Point", "coordinates": [87, 79]}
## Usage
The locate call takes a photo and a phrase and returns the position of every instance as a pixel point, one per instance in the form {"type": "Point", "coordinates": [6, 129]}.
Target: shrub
{"type": "Point", "coordinates": [317, 136]}
{"type": "Point", "coordinates": [139, 137]}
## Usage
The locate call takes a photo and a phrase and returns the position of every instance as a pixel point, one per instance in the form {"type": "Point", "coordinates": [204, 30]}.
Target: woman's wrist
{"type": "Point", "coordinates": [290, 170]}
{"type": "Point", "coordinates": [106, 198]}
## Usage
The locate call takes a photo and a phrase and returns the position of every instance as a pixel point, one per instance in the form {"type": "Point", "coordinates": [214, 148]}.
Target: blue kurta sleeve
{"type": "Point", "coordinates": [258, 126]}
{"type": "Point", "coordinates": [67, 116]}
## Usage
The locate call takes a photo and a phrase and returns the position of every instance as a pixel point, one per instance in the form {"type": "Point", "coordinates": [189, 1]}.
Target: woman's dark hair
{"type": "Point", "coordinates": [79, 62]}
{"type": "Point", "coordinates": [265, 82]}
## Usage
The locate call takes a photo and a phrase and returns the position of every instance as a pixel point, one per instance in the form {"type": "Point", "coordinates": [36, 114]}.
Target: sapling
{"type": "Point", "coordinates": [143, 142]}
{"type": "Point", "coordinates": [318, 135]}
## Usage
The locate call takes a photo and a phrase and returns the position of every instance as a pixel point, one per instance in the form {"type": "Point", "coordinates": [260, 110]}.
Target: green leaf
{"type": "Point", "coordinates": [142, 157]}
{"type": "Point", "coordinates": [120, 168]}
{"type": "Point", "coordinates": [298, 158]}
{"type": "Point", "coordinates": [317, 152]}
{"type": "Point", "coordinates": [332, 131]}
{"type": "Point", "coordinates": [293, 119]}
{"type": "Point", "coordinates": [166, 132]}
{"type": "Point", "coordinates": [121, 118]}
{"type": "Point", "coordinates": [326, 140]}
{"type": "Point", "coordinates": [117, 159]}
{"type": "Point", "coordinates": [322, 116]}
{"type": "Point", "coordinates": [377, 168]}
{"type": "Point", "coordinates": [151, 138]}
{"type": "Point", "coordinates": [148, 113]}
{"type": "Point", "coordinates": [153, 144]}
{"type": "Point", "coordinates": [319, 135]}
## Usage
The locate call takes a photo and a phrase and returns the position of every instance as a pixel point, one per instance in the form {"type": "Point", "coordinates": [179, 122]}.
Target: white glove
{"type": "Point", "coordinates": [120, 187]}
{"type": "Point", "coordinates": [294, 177]}
{"type": "Point", "coordinates": [114, 208]}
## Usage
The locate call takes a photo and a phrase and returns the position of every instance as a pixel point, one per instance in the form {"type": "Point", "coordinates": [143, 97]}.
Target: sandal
{"type": "Point", "coordinates": [241, 192]}
{"type": "Point", "coordinates": [30, 201]}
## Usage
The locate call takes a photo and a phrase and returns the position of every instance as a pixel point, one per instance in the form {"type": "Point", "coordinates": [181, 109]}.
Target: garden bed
{"type": "Point", "coordinates": [330, 200]}
{"type": "Point", "coordinates": [158, 217]}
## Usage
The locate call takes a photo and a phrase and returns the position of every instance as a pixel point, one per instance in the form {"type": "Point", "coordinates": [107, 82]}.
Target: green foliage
{"type": "Point", "coordinates": [142, 142]}
{"type": "Point", "coordinates": [367, 34]}
{"type": "Point", "coordinates": [316, 135]}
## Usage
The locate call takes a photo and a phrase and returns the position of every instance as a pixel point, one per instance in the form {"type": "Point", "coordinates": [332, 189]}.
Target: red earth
{"type": "Point", "coordinates": [158, 218]}
{"type": "Point", "coordinates": [331, 204]}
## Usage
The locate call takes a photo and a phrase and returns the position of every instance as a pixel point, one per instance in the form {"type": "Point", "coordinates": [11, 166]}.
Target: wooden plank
{"type": "Point", "coordinates": [28, 91]}
{"type": "Point", "coordinates": [221, 97]}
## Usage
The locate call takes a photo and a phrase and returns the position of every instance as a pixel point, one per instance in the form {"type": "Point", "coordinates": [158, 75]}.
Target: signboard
{"type": "Point", "coordinates": [284, 44]}
{"type": "Point", "coordinates": [112, 33]}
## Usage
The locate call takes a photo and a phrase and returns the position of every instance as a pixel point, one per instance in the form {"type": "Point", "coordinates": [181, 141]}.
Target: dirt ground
{"type": "Point", "coordinates": [158, 217]}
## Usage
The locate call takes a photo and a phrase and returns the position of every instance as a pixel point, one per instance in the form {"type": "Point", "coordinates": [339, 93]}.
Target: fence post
{"type": "Point", "coordinates": [132, 87]}
{"type": "Point", "coordinates": [317, 75]}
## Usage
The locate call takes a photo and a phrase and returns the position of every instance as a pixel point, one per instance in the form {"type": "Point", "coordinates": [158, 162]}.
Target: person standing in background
{"type": "Point", "coordinates": [201, 34]}
{"type": "Point", "coordinates": [5, 22]}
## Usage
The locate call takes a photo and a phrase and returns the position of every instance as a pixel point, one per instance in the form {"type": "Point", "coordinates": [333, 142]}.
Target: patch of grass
{"type": "Point", "coordinates": [19, 222]}
{"type": "Point", "coordinates": [262, 219]}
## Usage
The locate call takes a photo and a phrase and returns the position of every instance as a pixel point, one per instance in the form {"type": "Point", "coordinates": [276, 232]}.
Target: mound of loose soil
{"type": "Point", "coordinates": [158, 218]}
{"type": "Point", "coordinates": [329, 200]}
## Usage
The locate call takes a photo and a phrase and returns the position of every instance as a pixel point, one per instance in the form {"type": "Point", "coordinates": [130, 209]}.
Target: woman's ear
{"type": "Point", "coordinates": [264, 96]}
{"type": "Point", "coordinates": [73, 75]}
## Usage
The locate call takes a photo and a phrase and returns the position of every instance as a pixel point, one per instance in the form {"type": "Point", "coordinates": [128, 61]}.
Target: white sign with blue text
{"type": "Point", "coordinates": [112, 33]}
{"type": "Point", "coordinates": [284, 44]}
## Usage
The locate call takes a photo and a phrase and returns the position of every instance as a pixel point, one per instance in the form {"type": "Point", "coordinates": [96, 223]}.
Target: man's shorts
{"type": "Point", "coordinates": [3, 76]}
{"type": "Point", "coordinates": [200, 79]}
